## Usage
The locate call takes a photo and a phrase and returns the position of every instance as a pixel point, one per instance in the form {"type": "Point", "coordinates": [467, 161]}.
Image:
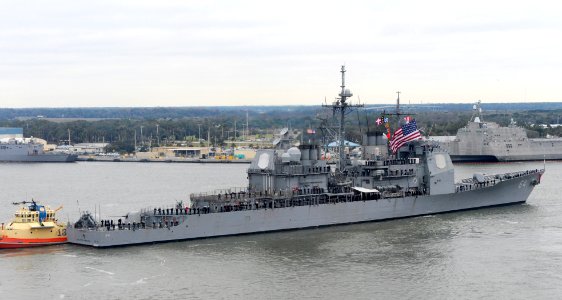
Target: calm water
{"type": "Point", "coordinates": [506, 252]}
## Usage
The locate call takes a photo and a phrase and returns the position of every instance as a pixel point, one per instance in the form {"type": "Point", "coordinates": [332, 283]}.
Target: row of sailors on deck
{"type": "Point", "coordinates": [400, 172]}
{"type": "Point", "coordinates": [399, 161]}
{"type": "Point", "coordinates": [471, 186]}
{"type": "Point", "coordinates": [266, 193]}
{"type": "Point", "coordinates": [120, 224]}
{"type": "Point", "coordinates": [171, 211]}
{"type": "Point", "coordinates": [180, 211]}
{"type": "Point", "coordinates": [109, 225]}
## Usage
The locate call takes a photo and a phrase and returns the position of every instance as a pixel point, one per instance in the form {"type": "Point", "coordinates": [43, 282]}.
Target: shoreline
{"type": "Point", "coordinates": [163, 160]}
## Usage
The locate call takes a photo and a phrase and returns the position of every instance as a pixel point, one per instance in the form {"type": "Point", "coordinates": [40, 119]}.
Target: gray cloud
{"type": "Point", "coordinates": [159, 52]}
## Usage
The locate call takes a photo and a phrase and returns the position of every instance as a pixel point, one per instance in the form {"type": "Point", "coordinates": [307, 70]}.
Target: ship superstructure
{"type": "Point", "coordinates": [488, 141]}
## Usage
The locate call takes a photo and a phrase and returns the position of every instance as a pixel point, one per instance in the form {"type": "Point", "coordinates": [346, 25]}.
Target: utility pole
{"type": "Point", "coordinates": [142, 140]}
{"type": "Point", "coordinates": [157, 135]}
{"type": "Point", "coordinates": [135, 141]}
{"type": "Point", "coordinates": [199, 134]}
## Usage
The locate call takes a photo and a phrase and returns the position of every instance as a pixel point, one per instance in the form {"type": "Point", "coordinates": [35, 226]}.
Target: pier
{"type": "Point", "coordinates": [164, 160]}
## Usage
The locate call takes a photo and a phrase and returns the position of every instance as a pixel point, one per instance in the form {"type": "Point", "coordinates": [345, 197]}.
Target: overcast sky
{"type": "Point", "coordinates": [193, 53]}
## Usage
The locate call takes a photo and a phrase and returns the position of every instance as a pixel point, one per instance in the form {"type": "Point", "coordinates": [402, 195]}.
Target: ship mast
{"type": "Point", "coordinates": [398, 109]}
{"type": "Point", "coordinates": [477, 112]}
{"type": "Point", "coordinates": [342, 107]}
{"type": "Point", "coordinates": [398, 114]}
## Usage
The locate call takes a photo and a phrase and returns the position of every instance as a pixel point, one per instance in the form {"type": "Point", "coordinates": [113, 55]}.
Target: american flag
{"type": "Point", "coordinates": [408, 132]}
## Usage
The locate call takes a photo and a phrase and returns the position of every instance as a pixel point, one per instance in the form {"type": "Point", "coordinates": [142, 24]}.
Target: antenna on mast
{"type": "Point", "coordinates": [398, 102]}
{"type": "Point", "coordinates": [398, 108]}
{"type": "Point", "coordinates": [342, 106]}
{"type": "Point", "coordinates": [477, 112]}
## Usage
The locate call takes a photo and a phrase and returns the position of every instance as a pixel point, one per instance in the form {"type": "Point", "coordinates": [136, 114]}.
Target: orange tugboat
{"type": "Point", "coordinates": [34, 225]}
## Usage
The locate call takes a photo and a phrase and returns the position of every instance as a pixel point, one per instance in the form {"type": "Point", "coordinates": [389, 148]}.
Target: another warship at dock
{"type": "Point", "coordinates": [294, 188]}
{"type": "Point", "coordinates": [15, 148]}
{"type": "Point", "coordinates": [481, 141]}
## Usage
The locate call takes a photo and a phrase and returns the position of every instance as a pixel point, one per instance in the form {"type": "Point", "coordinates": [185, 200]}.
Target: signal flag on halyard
{"type": "Point", "coordinates": [408, 132]}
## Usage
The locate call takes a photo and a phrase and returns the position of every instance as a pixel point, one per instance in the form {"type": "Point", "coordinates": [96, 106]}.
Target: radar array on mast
{"type": "Point", "coordinates": [342, 107]}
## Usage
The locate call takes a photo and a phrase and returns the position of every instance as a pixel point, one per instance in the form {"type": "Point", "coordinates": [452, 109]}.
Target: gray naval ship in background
{"type": "Point", "coordinates": [15, 148]}
{"type": "Point", "coordinates": [293, 189]}
{"type": "Point", "coordinates": [481, 141]}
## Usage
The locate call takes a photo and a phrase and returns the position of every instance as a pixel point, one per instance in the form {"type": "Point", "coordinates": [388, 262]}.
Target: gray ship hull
{"type": "Point", "coordinates": [511, 191]}
{"type": "Point", "coordinates": [504, 158]}
{"type": "Point", "coordinates": [473, 158]}
{"type": "Point", "coordinates": [531, 156]}
{"type": "Point", "coordinates": [38, 158]}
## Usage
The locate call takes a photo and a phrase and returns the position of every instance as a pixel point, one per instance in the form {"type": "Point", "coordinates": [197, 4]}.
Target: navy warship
{"type": "Point", "coordinates": [15, 148]}
{"type": "Point", "coordinates": [481, 141]}
{"type": "Point", "coordinates": [30, 150]}
{"type": "Point", "coordinates": [294, 189]}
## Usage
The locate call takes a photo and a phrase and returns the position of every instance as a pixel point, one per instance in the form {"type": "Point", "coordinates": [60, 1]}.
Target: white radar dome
{"type": "Point", "coordinates": [294, 153]}
{"type": "Point", "coordinates": [263, 161]}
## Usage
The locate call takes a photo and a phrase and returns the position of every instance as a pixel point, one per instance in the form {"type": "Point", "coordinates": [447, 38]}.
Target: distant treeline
{"type": "Point", "coordinates": [122, 126]}
{"type": "Point", "coordinates": [240, 111]}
